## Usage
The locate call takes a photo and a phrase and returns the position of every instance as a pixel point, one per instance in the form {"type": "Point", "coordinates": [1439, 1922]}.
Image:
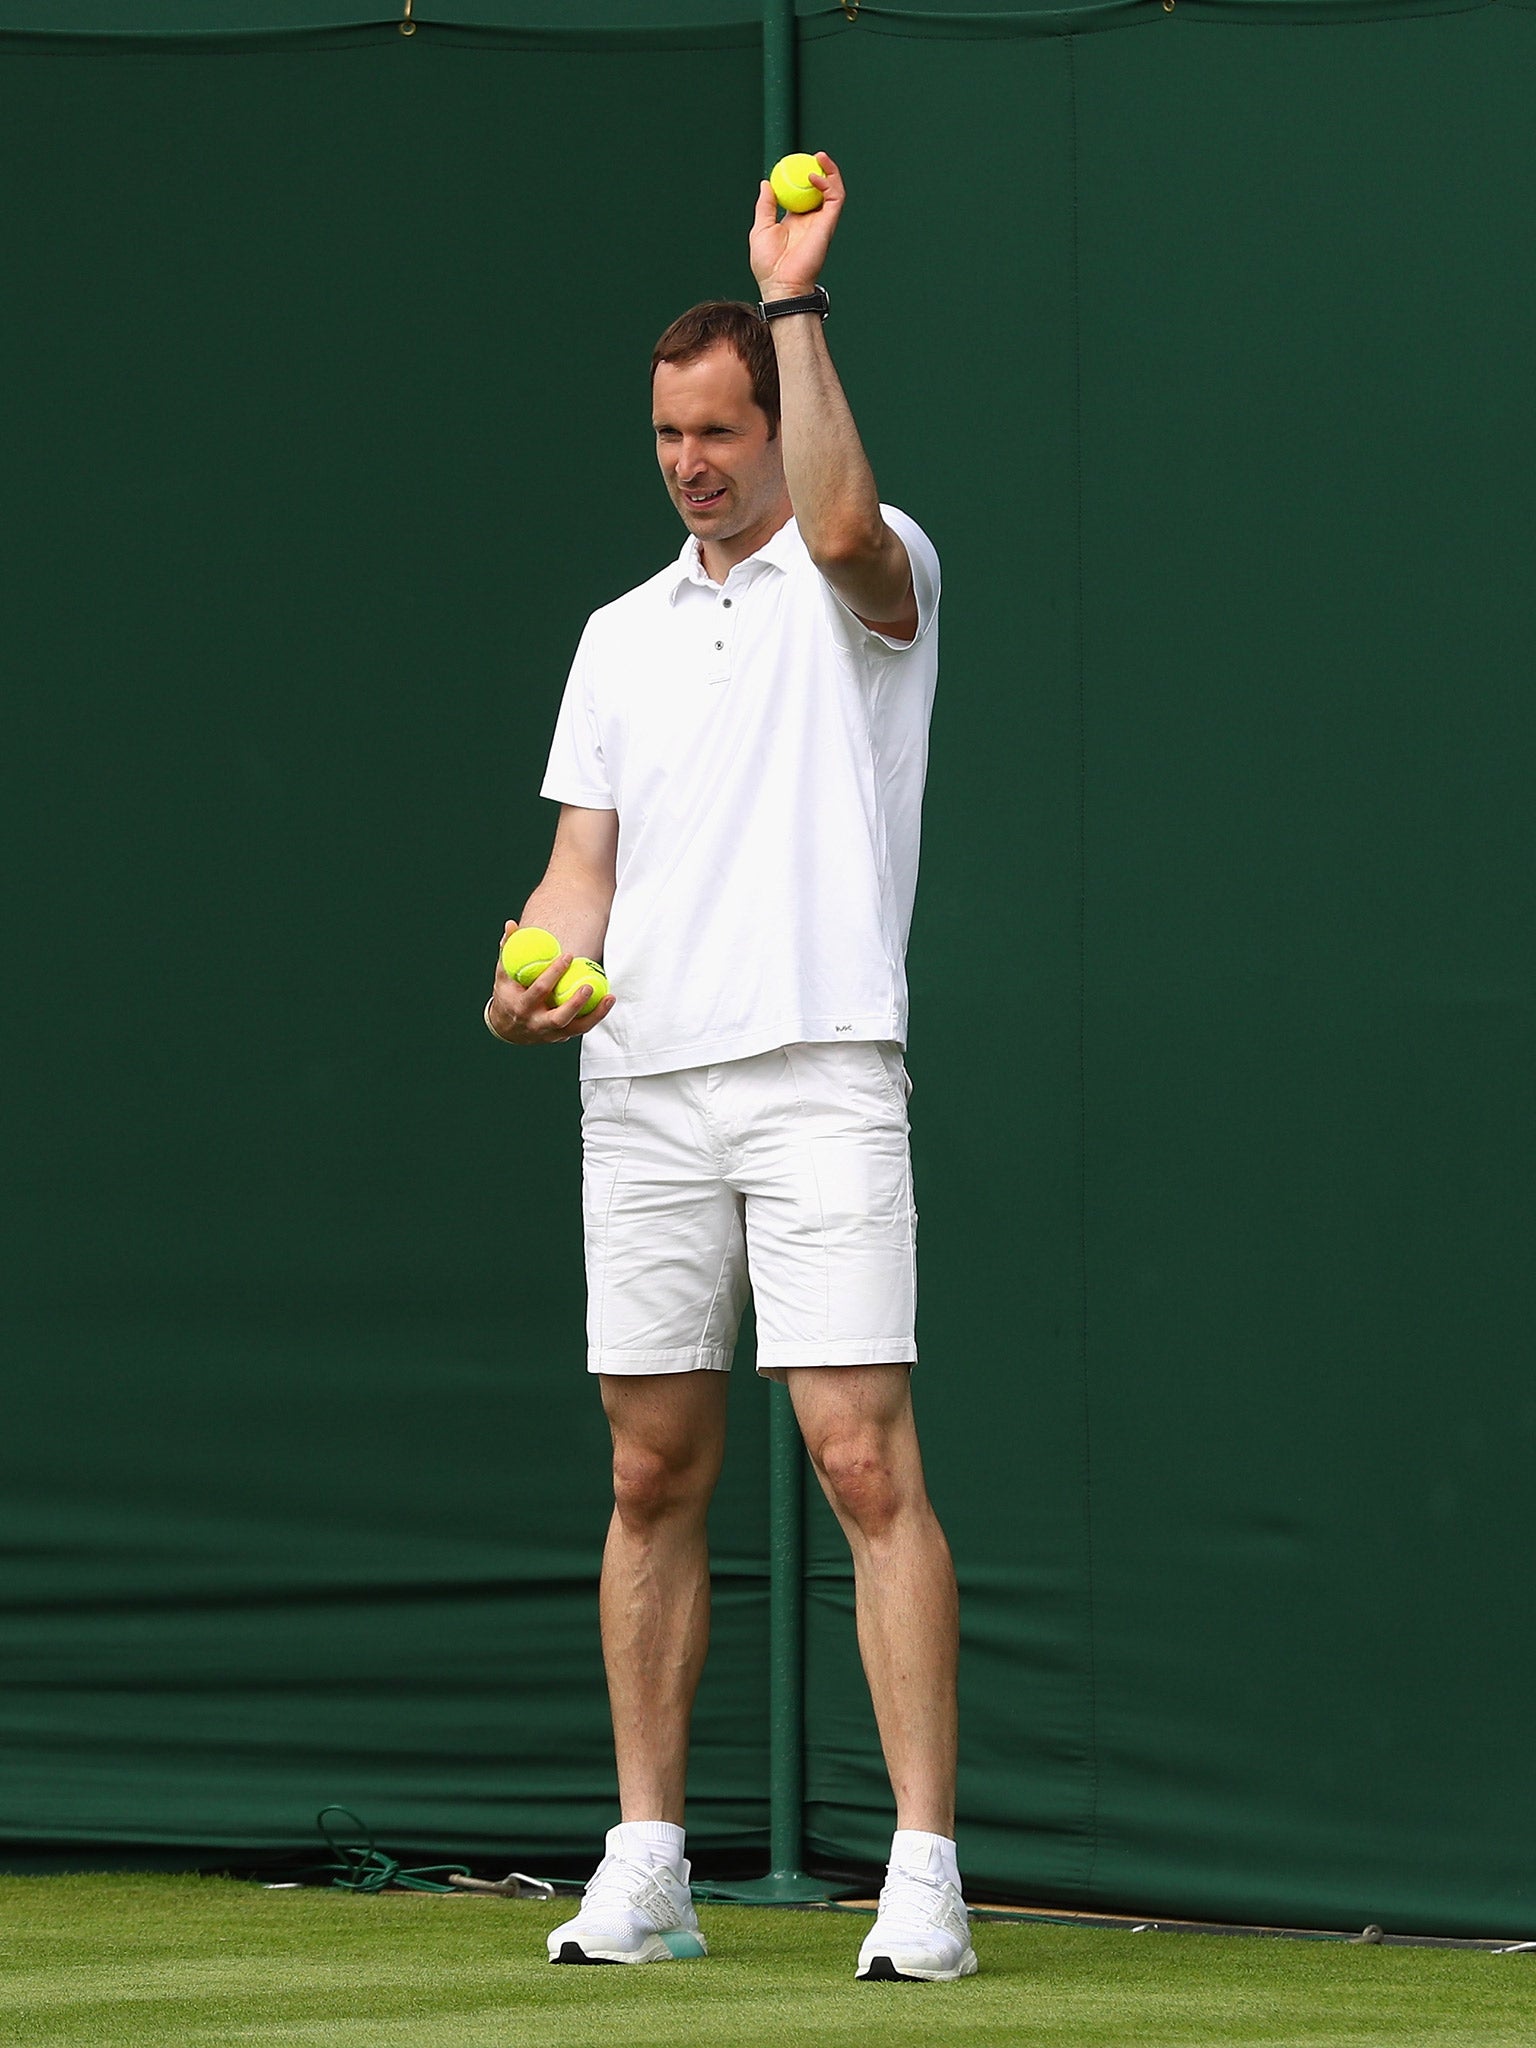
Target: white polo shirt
{"type": "Point", "coordinates": [765, 753]}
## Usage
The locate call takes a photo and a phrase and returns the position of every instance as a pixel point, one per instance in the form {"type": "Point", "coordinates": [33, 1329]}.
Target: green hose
{"type": "Point", "coordinates": [362, 1866]}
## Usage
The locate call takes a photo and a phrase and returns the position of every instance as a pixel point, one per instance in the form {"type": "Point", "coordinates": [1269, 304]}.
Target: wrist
{"type": "Point", "coordinates": [813, 305]}
{"type": "Point", "coordinates": [772, 288]}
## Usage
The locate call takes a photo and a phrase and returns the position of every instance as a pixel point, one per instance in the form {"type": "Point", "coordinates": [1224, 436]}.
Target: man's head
{"type": "Point", "coordinates": [715, 407]}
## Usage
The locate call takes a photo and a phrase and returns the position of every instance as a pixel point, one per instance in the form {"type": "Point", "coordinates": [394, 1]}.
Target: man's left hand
{"type": "Point", "coordinates": [787, 254]}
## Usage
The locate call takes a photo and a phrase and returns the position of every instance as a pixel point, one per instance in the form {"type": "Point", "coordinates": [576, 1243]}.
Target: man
{"type": "Point", "coordinates": [739, 761]}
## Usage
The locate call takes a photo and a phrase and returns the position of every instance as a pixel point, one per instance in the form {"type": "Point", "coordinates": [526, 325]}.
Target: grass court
{"type": "Point", "coordinates": [120, 1961]}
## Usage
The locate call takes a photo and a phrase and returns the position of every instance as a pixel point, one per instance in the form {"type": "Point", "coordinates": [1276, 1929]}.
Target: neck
{"type": "Point", "coordinates": [721, 556]}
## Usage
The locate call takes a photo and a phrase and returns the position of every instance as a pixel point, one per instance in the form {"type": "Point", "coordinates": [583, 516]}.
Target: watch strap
{"type": "Point", "coordinates": [814, 301]}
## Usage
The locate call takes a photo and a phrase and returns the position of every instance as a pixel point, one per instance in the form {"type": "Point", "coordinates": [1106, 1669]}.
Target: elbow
{"type": "Point", "coordinates": [851, 545]}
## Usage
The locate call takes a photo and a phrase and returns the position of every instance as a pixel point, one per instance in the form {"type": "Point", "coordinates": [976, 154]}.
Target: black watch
{"type": "Point", "coordinates": [814, 301]}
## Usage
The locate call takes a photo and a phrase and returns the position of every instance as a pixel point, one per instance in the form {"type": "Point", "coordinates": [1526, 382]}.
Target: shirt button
{"type": "Point", "coordinates": [719, 644]}
{"type": "Point", "coordinates": [726, 602]}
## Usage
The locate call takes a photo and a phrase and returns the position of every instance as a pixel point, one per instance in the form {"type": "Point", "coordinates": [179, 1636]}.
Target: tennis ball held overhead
{"type": "Point", "coordinates": [527, 952]}
{"type": "Point", "coordinates": [791, 182]}
{"type": "Point", "coordinates": [579, 972]}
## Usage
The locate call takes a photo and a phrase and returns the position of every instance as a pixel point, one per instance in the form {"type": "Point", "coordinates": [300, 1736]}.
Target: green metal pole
{"type": "Point", "coordinates": [779, 81]}
{"type": "Point", "coordinates": [786, 1637]}
{"type": "Point", "coordinates": [786, 1884]}
{"type": "Point", "coordinates": [786, 1461]}
{"type": "Point", "coordinates": [786, 1471]}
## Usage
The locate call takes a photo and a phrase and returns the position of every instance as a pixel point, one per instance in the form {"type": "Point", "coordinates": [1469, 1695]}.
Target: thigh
{"type": "Point", "coordinates": [861, 1435]}
{"type": "Point", "coordinates": [663, 1232]}
{"type": "Point", "coordinates": [870, 1403]}
{"type": "Point", "coordinates": [831, 1224]}
{"type": "Point", "coordinates": [670, 1424]}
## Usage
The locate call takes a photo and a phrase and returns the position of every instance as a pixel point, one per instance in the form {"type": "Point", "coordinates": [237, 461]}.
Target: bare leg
{"type": "Point", "coordinates": [668, 1442]}
{"type": "Point", "coordinates": [859, 1429]}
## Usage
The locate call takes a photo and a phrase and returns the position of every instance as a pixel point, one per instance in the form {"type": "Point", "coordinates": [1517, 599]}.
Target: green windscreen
{"type": "Point", "coordinates": [1201, 342]}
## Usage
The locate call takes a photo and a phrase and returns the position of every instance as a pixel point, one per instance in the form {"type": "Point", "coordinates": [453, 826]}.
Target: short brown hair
{"type": "Point", "coordinates": [732, 324]}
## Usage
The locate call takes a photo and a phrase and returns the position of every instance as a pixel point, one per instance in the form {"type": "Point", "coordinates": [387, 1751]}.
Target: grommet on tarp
{"type": "Point", "coordinates": [407, 26]}
{"type": "Point", "coordinates": [1167, 6]}
{"type": "Point", "coordinates": [1371, 1934]}
{"type": "Point", "coordinates": [851, 9]}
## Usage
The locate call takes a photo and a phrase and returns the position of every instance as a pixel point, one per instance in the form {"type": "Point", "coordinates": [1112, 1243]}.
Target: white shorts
{"type": "Point", "coordinates": [791, 1172]}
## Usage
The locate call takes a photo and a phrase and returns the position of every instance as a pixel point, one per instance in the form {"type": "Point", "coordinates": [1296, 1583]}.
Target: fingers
{"type": "Point", "coordinates": [527, 1009]}
{"type": "Point", "coordinates": [832, 189]}
{"type": "Point", "coordinates": [540, 991]}
{"type": "Point", "coordinates": [535, 1017]}
{"type": "Point", "coordinates": [541, 1017]}
{"type": "Point", "coordinates": [585, 1024]}
{"type": "Point", "coordinates": [767, 213]}
{"type": "Point", "coordinates": [566, 1020]}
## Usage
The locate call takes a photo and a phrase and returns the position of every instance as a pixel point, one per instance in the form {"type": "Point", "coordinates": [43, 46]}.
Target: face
{"type": "Point", "coordinates": [723, 471]}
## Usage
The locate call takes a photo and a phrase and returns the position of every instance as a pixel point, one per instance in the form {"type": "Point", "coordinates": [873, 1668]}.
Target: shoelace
{"type": "Point", "coordinates": [913, 1903]}
{"type": "Point", "coordinates": [627, 1882]}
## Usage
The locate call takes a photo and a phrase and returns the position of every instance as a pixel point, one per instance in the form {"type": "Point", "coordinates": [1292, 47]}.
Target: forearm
{"type": "Point", "coordinates": [831, 485]}
{"type": "Point", "coordinates": [574, 905]}
{"type": "Point", "coordinates": [576, 894]}
{"type": "Point", "coordinates": [572, 902]}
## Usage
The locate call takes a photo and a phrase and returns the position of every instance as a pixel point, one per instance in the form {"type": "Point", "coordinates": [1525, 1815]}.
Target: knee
{"type": "Point", "coordinates": [862, 1481]}
{"type": "Point", "coordinates": [649, 1485]}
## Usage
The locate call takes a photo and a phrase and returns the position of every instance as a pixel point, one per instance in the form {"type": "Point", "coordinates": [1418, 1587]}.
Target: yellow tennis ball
{"type": "Point", "coordinates": [528, 952]}
{"type": "Point", "coordinates": [791, 182]}
{"type": "Point", "coordinates": [578, 972]}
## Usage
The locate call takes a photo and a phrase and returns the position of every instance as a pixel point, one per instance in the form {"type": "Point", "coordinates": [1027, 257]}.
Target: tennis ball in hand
{"type": "Point", "coordinates": [578, 972]}
{"type": "Point", "coordinates": [791, 182]}
{"type": "Point", "coordinates": [528, 952]}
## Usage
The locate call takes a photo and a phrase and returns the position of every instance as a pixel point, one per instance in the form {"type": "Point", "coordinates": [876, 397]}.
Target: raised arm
{"type": "Point", "coordinates": [573, 902]}
{"type": "Point", "coordinates": [831, 484]}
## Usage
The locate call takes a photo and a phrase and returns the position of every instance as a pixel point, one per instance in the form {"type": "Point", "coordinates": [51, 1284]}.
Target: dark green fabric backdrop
{"type": "Point", "coordinates": [1201, 342]}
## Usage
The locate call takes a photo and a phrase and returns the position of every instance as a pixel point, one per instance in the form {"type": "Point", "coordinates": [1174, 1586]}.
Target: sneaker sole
{"type": "Point", "coordinates": [676, 1946]}
{"type": "Point", "coordinates": [882, 1970]}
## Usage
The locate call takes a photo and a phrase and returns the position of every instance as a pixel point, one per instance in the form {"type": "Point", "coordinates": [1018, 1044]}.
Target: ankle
{"type": "Point", "coordinates": [649, 1841]}
{"type": "Point", "coordinates": [934, 1855]}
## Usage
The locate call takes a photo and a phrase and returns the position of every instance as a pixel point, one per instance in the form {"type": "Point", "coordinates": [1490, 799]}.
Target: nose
{"type": "Point", "coordinates": [690, 460]}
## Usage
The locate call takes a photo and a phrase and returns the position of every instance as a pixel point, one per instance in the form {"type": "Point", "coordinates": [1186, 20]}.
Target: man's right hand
{"type": "Point", "coordinates": [524, 1016]}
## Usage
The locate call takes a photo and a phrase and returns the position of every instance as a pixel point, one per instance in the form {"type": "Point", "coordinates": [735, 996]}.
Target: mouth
{"type": "Point", "coordinates": [700, 501]}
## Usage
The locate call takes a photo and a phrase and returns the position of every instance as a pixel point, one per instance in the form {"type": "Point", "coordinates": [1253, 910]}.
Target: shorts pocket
{"type": "Point", "coordinates": [605, 1100]}
{"type": "Point", "coordinates": [894, 1077]}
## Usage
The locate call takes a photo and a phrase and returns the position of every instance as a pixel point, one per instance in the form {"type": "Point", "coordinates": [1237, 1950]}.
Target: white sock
{"type": "Point", "coordinates": [934, 1855]}
{"type": "Point", "coordinates": [649, 1841]}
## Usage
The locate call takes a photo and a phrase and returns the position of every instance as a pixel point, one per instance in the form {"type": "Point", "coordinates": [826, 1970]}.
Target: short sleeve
{"type": "Point", "coordinates": [924, 560]}
{"type": "Point", "coordinates": [576, 772]}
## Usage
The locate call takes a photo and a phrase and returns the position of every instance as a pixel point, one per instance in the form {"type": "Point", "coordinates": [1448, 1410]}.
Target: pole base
{"type": "Point", "coordinates": [778, 1888]}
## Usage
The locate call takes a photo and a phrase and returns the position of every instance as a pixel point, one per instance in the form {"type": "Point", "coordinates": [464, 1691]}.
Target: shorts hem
{"type": "Point", "coordinates": [635, 1364]}
{"type": "Point", "coordinates": [865, 1351]}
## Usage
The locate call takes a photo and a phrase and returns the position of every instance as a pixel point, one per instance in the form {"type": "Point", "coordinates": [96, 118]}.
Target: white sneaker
{"type": "Point", "coordinates": [922, 1931]}
{"type": "Point", "coordinates": [631, 1912]}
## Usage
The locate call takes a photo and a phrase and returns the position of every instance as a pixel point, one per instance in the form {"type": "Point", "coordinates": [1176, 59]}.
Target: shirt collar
{"type": "Point", "coordinates": [776, 552]}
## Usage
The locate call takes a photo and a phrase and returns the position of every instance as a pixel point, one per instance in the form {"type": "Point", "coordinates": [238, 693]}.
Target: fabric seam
{"type": "Point", "coordinates": [821, 1207]}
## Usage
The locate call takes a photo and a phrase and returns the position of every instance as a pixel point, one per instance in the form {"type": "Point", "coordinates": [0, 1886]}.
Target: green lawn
{"type": "Point", "coordinates": [99, 1961]}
